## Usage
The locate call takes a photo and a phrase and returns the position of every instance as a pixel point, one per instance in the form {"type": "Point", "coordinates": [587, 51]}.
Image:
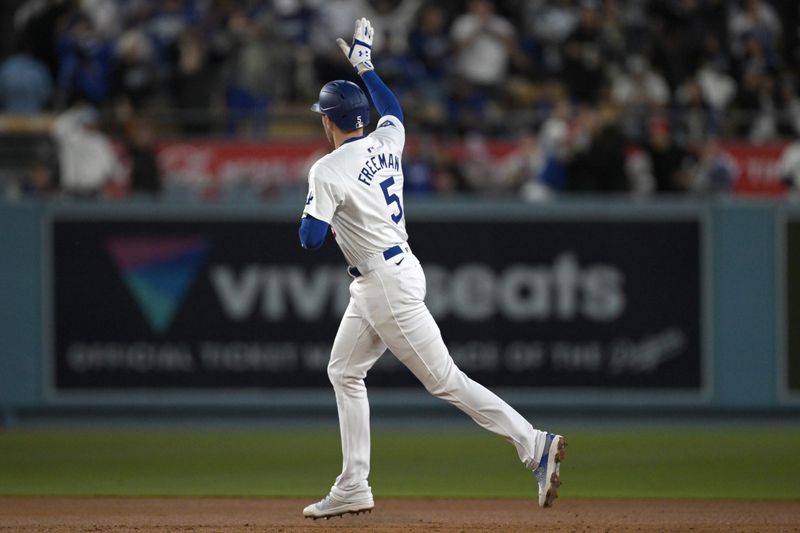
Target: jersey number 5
{"type": "Point", "coordinates": [392, 199]}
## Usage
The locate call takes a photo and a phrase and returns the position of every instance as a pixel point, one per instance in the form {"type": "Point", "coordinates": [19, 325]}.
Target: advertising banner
{"type": "Point", "coordinates": [758, 168]}
{"type": "Point", "coordinates": [213, 165]}
{"type": "Point", "coordinates": [182, 304]}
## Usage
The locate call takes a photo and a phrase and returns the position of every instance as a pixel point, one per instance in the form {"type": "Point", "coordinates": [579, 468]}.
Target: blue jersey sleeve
{"type": "Point", "coordinates": [312, 232]}
{"type": "Point", "coordinates": [382, 97]}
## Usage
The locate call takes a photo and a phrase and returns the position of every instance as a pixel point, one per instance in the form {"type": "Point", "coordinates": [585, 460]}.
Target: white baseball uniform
{"type": "Point", "coordinates": [358, 190]}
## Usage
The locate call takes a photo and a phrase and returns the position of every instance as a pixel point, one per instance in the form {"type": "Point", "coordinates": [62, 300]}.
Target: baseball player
{"type": "Point", "coordinates": [357, 191]}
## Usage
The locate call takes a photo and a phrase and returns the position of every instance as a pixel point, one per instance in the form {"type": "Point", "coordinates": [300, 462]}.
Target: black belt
{"type": "Point", "coordinates": [387, 254]}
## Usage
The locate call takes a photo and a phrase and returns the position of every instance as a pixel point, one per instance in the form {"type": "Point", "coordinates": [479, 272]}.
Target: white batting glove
{"type": "Point", "coordinates": [360, 52]}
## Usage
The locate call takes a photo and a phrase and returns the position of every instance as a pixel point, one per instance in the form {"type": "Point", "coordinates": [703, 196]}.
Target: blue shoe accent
{"type": "Point", "coordinates": [548, 471]}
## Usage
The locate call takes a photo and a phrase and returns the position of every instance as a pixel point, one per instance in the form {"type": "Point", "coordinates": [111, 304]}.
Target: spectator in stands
{"type": "Point", "coordinates": [556, 140]}
{"type": "Point", "coordinates": [641, 91]}
{"type": "Point", "coordinates": [789, 166]}
{"type": "Point", "coordinates": [478, 166]}
{"type": "Point", "coordinates": [757, 96]}
{"type": "Point", "coordinates": [105, 16]}
{"type": "Point", "coordinates": [419, 166]}
{"type": "Point", "coordinates": [448, 177]}
{"type": "Point", "coordinates": [524, 166]}
{"type": "Point", "coordinates": [483, 43]}
{"type": "Point", "coordinates": [702, 101]}
{"type": "Point", "coordinates": [549, 23]}
{"type": "Point", "coordinates": [135, 73]}
{"type": "Point", "coordinates": [676, 31]}
{"type": "Point", "coordinates": [40, 181]}
{"type": "Point", "coordinates": [332, 19]}
{"type": "Point", "coordinates": [476, 163]}
{"type": "Point", "coordinates": [789, 117]}
{"type": "Point", "coordinates": [292, 18]}
{"type": "Point", "coordinates": [712, 15]}
{"type": "Point", "coordinates": [639, 172]}
{"type": "Point", "coordinates": [165, 22]}
{"type": "Point", "coordinates": [429, 50]}
{"type": "Point", "coordinates": [145, 175]}
{"type": "Point", "coordinates": [393, 21]}
{"type": "Point", "coordinates": [192, 82]}
{"type": "Point", "coordinates": [25, 84]}
{"type": "Point", "coordinates": [583, 55]}
{"type": "Point", "coordinates": [715, 170]}
{"type": "Point", "coordinates": [695, 117]}
{"type": "Point", "coordinates": [668, 160]}
{"type": "Point", "coordinates": [757, 91]}
{"type": "Point", "coordinates": [87, 161]}
{"type": "Point", "coordinates": [37, 24]}
{"type": "Point", "coordinates": [613, 32]}
{"type": "Point", "coordinates": [255, 54]}
{"type": "Point", "coordinates": [598, 160]}
{"type": "Point", "coordinates": [85, 61]}
{"type": "Point", "coordinates": [715, 56]}
{"type": "Point", "coordinates": [754, 19]}
{"type": "Point", "coordinates": [716, 86]}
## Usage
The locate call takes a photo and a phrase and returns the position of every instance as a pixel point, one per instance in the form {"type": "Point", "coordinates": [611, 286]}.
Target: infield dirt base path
{"type": "Point", "coordinates": [57, 515]}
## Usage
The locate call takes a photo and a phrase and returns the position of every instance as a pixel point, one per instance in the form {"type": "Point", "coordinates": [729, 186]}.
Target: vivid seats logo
{"type": "Point", "coordinates": [158, 271]}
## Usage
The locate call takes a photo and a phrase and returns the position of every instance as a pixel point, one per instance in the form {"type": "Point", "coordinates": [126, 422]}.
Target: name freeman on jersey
{"type": "Point", "coordinates": [375, 164]}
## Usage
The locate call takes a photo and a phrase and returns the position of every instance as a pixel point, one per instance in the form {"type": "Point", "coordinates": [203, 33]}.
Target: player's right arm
{"type": "Point", "coordinates": [359, 53]}
{"type": "Point", "coordinates": [312, 232]}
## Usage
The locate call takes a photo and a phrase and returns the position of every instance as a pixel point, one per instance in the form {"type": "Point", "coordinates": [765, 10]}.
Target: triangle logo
{"type": "Point", "coordinates": [158, 272]}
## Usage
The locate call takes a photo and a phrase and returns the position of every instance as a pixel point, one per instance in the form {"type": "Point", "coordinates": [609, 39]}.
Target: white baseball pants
{"type": "Point", "coordinates": [387, 308]}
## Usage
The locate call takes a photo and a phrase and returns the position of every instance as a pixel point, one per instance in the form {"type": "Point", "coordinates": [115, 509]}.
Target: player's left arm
{"type": "Point", "coordinates": [382, 97]}
{"type": "Point", "coordinates": [359, 53]}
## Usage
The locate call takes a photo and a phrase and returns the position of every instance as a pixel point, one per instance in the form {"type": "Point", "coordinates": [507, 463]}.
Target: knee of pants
{"type": "Point", "coordinates": [445, 384]}
{"type": "Point", "coordinates": [345, 380]}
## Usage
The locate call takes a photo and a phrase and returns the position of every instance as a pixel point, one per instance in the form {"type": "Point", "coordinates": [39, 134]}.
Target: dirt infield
{"type": "Point", "coordinates": [59, 515]}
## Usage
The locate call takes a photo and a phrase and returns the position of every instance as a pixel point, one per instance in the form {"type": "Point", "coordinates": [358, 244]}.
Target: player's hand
{"type": "Point", "coordinates": [360, 52]}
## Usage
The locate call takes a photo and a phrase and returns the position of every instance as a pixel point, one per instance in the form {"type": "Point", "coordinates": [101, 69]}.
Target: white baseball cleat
{"type": "Point", "coordinates": [331, 506]}
{"type": "Point", "coordinates": [547, 473]}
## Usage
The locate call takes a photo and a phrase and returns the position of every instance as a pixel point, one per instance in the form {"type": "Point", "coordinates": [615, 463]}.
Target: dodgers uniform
{"type": "Point", "coordinates": [357, 190]}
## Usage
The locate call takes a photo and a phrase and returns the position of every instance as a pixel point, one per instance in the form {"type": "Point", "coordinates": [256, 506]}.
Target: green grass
{"type": "Point", "coordinates": [626, 464]}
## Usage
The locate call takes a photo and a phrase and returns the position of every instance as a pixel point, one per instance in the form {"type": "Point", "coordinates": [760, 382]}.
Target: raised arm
{"type": "Point", "coordinates": [359, 53]}
{"type": "Point", "coordinates": [321, 198]}
{"type": "Point", "coordinates": [383, 98]}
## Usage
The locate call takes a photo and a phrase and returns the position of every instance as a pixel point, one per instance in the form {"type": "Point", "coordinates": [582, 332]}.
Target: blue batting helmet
{"type": "Point", "coordinates": [344, 103]}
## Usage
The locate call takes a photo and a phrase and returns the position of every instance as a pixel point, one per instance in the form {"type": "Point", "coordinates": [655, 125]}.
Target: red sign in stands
{"type": "Point", "coordinates": [210, 165]}
{"type": "Point", "coordinates": [213, 165]}
{"type": "Point", "coordinates": [758, 168]}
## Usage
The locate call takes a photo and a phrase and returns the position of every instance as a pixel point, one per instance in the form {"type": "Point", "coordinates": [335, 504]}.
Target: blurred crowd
{"type": "Point", "coordinates": [612, 95]}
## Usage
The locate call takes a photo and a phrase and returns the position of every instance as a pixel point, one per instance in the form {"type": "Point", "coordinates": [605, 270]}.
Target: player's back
{"type": "Point", "coordinates": [365, 178]}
